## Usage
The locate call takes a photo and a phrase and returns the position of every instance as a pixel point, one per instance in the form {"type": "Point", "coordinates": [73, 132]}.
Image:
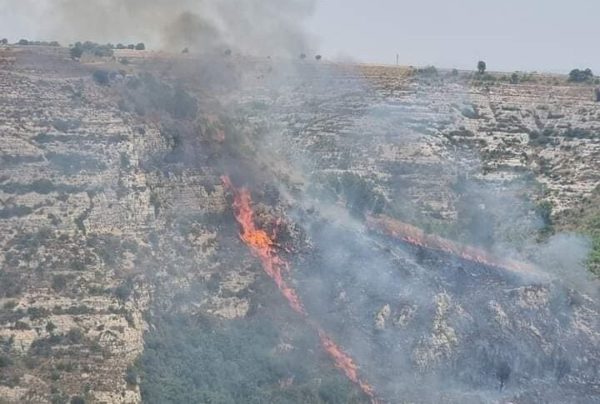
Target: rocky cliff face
{"type": "Point", "coordinates": [112, 210]}
{"type": "Point", "coordinates": [415, 137]}
{"type": "Point", "coordinates": [79, 217]}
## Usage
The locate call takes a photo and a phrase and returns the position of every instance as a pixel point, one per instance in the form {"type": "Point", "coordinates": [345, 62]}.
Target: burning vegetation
{"type": "Point", "coordinates": [263, 247]}
{"type": "Point", "coordinates": [125, 279]}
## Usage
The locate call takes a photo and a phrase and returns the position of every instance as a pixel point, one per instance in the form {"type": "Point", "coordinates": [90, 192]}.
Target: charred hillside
{"type": "Point", "coordinates": [128, 273]}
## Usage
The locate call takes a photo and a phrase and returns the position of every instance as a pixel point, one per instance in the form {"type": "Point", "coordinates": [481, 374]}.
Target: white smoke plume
{"type": "Point", "coordinates": [258, 27]}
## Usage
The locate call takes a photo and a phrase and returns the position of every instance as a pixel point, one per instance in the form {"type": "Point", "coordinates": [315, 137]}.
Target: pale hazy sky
{"type": "Point", "coordinates": [543, 35]}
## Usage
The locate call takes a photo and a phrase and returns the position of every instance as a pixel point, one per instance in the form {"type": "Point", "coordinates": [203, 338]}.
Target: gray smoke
{"type": "Point", "coordinates": [257, 27]}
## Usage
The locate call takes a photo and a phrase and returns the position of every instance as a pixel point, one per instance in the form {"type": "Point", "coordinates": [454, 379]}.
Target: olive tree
{"type": "Point", "coordinates": [481, 66]}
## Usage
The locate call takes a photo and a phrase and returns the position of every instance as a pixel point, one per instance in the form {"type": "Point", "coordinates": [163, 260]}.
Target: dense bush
{"type": "Point", "coordinates": [147, 93]}
{"type": "Point", "coordinates": [101, 77]}
{"type": "Point", "coordinates": [123, 291]}
{"type": "Point", "coordinates": [77, 400]}
{"type": "Point", "coordinates": [76, 52]}
{"type": "Point", "coordinates": [428, 71]}
{"type": "Point", "coordinates": [481, 66]}
{"type": "Point", "coordinates": [140, 46]}
{"type": "Point", "coordinates": [39, 43]}
{"type": "Point", "coordinates": [131, 376]}
{"type": "Point", "coordinates": [579, 76]}
{"type": "Point", "coordinates": [59, 282]}
{"type": "Point", "coordinates": [358, 193]}
{"type": "Point", "coordinates": [544, 211]}
{"type": "Point", "coordinates": [189, 360]}
{"type": "Point", "coordinates": [94, 49]}
{"type": "Point", "coordinates": [5, 361]}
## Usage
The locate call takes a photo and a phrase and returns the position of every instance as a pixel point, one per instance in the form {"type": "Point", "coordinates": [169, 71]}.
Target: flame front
{"type": "Point", "coordinates": [262, 246]}
{"type": "Point", "coordinates": [415, 236]}
{"type": "Point", "coordinates": [344, 362]}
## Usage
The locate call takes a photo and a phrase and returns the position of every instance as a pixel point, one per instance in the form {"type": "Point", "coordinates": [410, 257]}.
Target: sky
{"type": "Point", "coordinates": [531, 35]}
{"type": "Point", "coordinates": [509, 35]}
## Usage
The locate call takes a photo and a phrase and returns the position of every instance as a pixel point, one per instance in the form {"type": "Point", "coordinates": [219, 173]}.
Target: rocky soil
{"type": "Point", "coordinates": [109, 214]}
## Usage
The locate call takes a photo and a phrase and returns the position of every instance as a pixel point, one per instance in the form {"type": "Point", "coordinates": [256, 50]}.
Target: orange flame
{"type": "Point", "coordinates": [262, 246]}
{"type": "Point", "coordinates": [344, 362]}
{"type": "Point", "coordinates": [418, 237]}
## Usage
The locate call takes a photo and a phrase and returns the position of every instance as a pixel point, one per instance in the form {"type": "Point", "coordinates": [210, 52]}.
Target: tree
{"type": "Point", "coordinates": [23, 42]}
{"type": "Point", "coordinates": [77, 400]}
{"type": "Point", "coordinates": [481, 66]}
{"type": "Point", "coordinates": [4, 41]}
{"type": "Point", "coordinates": [59, 282]}
{"type": "Point", "coordinates": [76, 52]}
{"type": "Point", "coordinates": [140, 46]}
{"type": "Point", "coordinates": [318, 57]}
{"type": "Point", "coordinates": [514, 78]}
{"type": "Point", "coordinates": [121, 46]}
{"type": "Point", "coordinates": [131, 46]}
{"type": "Point", "coordinates": [503, 373]}
{"type": "Point", "coordinates": [579, 76]}
{"type": "Point", "coordinates": [131, 376]}
{"type": "Point", "coordinates": [101, 77]}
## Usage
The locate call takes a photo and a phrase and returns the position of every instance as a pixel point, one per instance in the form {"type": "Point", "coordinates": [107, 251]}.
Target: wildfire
{"type": "Point", "coordinates": [262, 246]}
{"type": "Point", "coordinates": [344, 362]}
{"type": "Point", "coordinates": [418, 237]}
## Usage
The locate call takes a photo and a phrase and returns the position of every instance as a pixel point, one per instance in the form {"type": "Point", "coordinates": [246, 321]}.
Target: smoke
{"type": "Point", "coordinates": [255, 27]}
{"type": "Point", "coordinates": [564, 256]}
{"type": "Point", "coordinates": [463, 331]}
{"type": "Point", "coordinates": [337, 146]}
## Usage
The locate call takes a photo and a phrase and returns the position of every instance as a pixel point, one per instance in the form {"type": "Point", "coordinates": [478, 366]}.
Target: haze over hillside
{"type": "Point", "coordinates": [509, 35]}
{"type": "Point", "coordinates": [244, 219]}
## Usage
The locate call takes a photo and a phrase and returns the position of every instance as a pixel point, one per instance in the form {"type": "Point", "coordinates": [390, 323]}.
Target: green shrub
{"type": "Point", "coordinates": [5, 361]}
{"type": "Point", "coordinates": [36, 313]}
{"type": "Point", "coordinates": [95, 49]}
{"type": "Point", "coordinates": [75, 336]}
{"type": "Point", "coordinates": [59, 282]}
{"type": "Point", "coordinates": [50, 326]}
{"type": "Point", "coordinates": [22, 326]}
{"type": "Point", "coordinates": [131, 376]}
{"type": "Point", "coordinates": [101, 77]}
{"type": "Point", "coordinates": [481, 66]}
{"type": "Point", "coordinates": [76, 52]}
{"type": "Point", "coordinates": [77, 400]}
{"type": "Point", "coordinates": [579, 76]}
{"type": "Point", "coordinates": [123, 291]}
